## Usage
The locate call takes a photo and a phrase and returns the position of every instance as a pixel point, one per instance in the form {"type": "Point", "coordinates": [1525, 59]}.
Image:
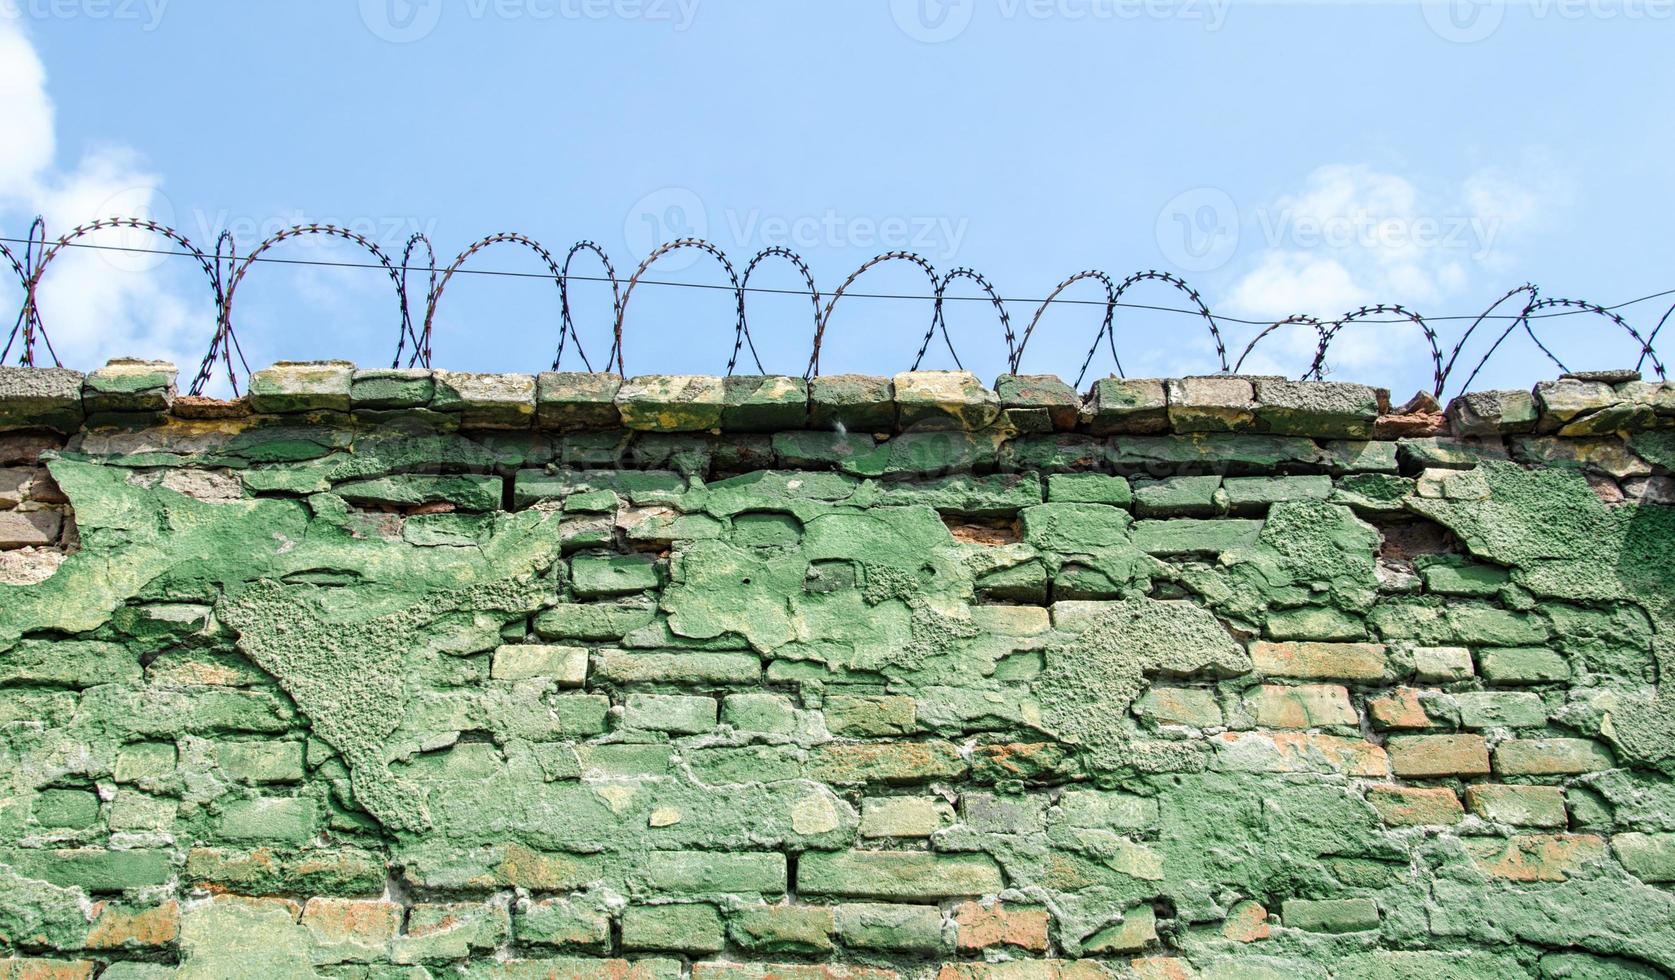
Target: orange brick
{"type": "Point", "coordinates": [1411, 806]}
{"type": "Point", "coordinates": [998, 925]}
{"type": "Point", "coordinates": [1299, 752]}
{"type": "Point", "coordinates": [1302, 706]}
{"type": "Point", "coordinates": [1319, 661]}
{"type": "Point", "coordinates": [1022, 970]}
{"type": "Point", "coordinates": [117, 927]}
{"type": "Point", "coordinates": [788, 971]}
{"type": "Point", "coordinates": [1535, 857]}
{"type": "Point", "coordinates": [352, 930]}
{"type": "Point", "coordinates": [1400, 708]}
{"type": "Point", "coordinates": [1422, 756]}
{"type": "Point", "coordinates": [1246, 923]}
{"type": "Point", "coordinates": [30, 968]}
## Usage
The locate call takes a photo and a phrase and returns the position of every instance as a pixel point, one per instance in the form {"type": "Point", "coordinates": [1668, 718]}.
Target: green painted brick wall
{"type": "Point", "coordinates": [371, 696]}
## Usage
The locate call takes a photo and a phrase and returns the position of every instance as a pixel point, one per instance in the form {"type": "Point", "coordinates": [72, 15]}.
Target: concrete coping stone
{"type": "Point", "coordinates": [1590, 405]}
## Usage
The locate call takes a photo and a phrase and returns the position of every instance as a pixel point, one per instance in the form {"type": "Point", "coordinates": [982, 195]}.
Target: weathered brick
{"type": "Point", "coordinates": [134, 927]}
{"type": "Point", "coordinates": [1107, 810]}
{"type": "Point", "coordinates": [562, 924]}
{"type": "Point", "coordinates": [437, 932]}
{"type": "Point", "coordinates": [1426, 756]}
{"type": "Point", "coordinates": [1194, 536]}
{"type": "Point", "coordinates": [722, 970]}
{"type": "Point", "coordinates": [351, 930]}
{"type": "Point", "coordinates": [1649, 857]}
{"type": "Point", "coordinates": [891, 762]}
{"type": "Point", "coordinates": [991, 813]}
{"type": "Point", "coordinates": [1412, 806]}
{"type": "Point", "coordinates": [302, 386]}
{"type": "Point", "coordinates": [903, 816]}
{"type": "Point", "coordinates": [262, 762]}
{"type": "Point", "coordinates": [1535, 857]}
{"type": "Point", "coordinates": [1523, 665]}
{"type": "Point", "coordinates": [271, 819]}
{"type": "Point", "coordinates": [566, 666]}
{"type": "Point", "coordinates": [676, 714]}
{"type": "Point", "coordinates": [1323, 661]}
{"type": "Point", "coordinates": [1441, 664]}
{"type": "Point", "coordinates": [905, 876]}
{"type": "Point", "coordinates": [1180, 496]}
{"type": "Point", "coordinates": [596, 576]}
{"type": "Point", "coordinates": [692, 929]}
{"type": "Point", "coordinates": [770, 713]}
{"type": "Point", "coordinates": [943, 399]}
{"type": "Point", "coordinates": [1211, 404]}
{"type": "Point", "coordinates": [782, 928]}
{"type": "Point", "coordinates": [1521, 806]}
{"type": "Point", "coordinates": [707, 873]}
{"type": "Point", "coordinates": [1254, 494]}
{"type": "Point", "coordinates": [1127, 405]}
{"type": "Point", "coordinates": [1187, 706]}
{"type": "Point", "coordinates": [68, 808]}
{"type": "Point", "coordinates": [1088, 488]}
{"type": "Point", "coordinates": [1400, 709]}
{"type": "Point", "coordinates": [1551, 757]}
{"type": "Point", "coordinates": [869, 716]}
{"type": "Point", "coordinates": [1299, 752]}
{"type": "Point", "coordinates": [576, 400]}
{"type": "Point", "coordinates": [1500, 709]}
{"type": "Point", "coordinates": [981, 927]}
{"type": "Point", "coordinates": [1330, 915]}
{"type": "Point", "coordinates": [1301, 706]}
{"type": "Point", "coordinates": [45, 968]}
{"type": "Point", "coordinates": [92, 869]}
{"type": "Point", "coordinates": [889, 928]}
{"type": "Point", "coordinates": [486, 401]}
{"type": "Point", "coordinates": [1136, 931]}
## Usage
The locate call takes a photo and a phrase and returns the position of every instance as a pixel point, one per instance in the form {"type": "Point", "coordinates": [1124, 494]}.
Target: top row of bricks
{"type": "Point", "coordinates": [126, 390]}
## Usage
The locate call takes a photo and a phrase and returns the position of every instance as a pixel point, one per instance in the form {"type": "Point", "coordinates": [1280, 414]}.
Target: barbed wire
{"type": "Point", "coordinates": [225, 270]}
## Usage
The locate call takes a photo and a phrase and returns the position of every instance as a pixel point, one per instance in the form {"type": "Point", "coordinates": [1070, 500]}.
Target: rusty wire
{"type": "Point", "coordinates": [225, 269]}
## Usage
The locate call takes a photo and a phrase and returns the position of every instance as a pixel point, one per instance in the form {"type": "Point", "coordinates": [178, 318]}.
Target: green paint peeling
{"type": "Point", "coordinates": [305, 699]}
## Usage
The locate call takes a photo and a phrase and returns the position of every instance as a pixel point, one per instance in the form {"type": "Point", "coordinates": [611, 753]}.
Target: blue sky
{"type": "Point", "coordinates": [1284, 157]}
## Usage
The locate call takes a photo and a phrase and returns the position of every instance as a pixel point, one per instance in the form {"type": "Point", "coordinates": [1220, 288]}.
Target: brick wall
{"type": "Point", "coordinates": [378, 674]}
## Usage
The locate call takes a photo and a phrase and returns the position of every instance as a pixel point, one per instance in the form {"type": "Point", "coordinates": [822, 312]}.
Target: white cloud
{"type": "Point", "coordinates": [95, 304]}
{"type": "Point", "coordinates": [1352, 235]}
